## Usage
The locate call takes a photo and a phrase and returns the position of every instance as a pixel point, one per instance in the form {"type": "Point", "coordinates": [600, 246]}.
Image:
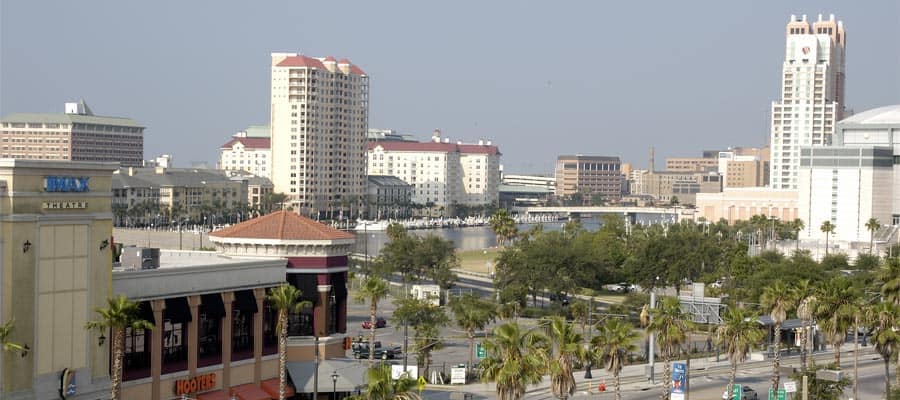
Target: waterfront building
{"type": "Point", "coordinates": [388, 196]}
{"type": "Point", "coordinates": [55, 244]}
{"type": "Point", "coordinates": [247, 154]}
{"type": "Point", "coordinates": [664, 186]}
{"type": "Point", "coordinates": [319, 119]}
{"type": "Point", "coordinates": [76, 135]}
{"type": "Point", "coordinates": [589, 175]}
{"type": "Point", "coordinates": [812, 94]}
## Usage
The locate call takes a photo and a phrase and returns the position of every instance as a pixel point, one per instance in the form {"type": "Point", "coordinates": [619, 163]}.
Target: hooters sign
{"type": "Point", "coordinates": [195, 384]}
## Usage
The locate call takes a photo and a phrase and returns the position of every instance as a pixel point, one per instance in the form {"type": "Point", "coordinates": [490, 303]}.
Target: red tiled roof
{"type": "Point", "coordinates": [301, 61]}
{"type": "Point", "coordinates": [250, 143]}
{"type": "Point", "coordinates": [434, 146]}
{"type": "Point", "coordinates": [356, 70]}
{"type": "Point", "coordinates": [344, 61]}
{"type": "Point", "coordinates": [329, 58]}
{"type": "Point", "coordinates": [282, 225]}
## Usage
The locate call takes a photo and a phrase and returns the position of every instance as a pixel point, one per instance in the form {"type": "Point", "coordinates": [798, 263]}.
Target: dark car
{"type": "Point", "coordinates": [379, 323]}
{"type": "Point", "coordinates": [361, 350]}
{"type": "Point", "coordinates": [560, 298]}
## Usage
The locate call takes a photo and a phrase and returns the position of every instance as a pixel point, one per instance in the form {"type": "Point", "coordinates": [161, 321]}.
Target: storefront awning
{"type": "Point", "coordinates": [214, 395]}
{"type": "Point", "coordinates": [249, 391]}
{"type": "Point", "coordinates": [177, 309]}
{"type": "Point", "coordinates": [212, 305]}
{"type": "Point", "coordinates": [244, 300]}
{"type": "Point", "coordinates": [352, 375]}
{"type": "Point", "coordinates": [270, 386]}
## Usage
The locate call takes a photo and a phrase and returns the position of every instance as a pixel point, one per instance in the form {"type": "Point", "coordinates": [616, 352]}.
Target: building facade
{"type": "Point", "coordinates": [812, 94]}
{"type": "Point", "coordinates": [76, 135]}
{"type": "Point", "coordinates": [386, 194]}
{"type": "Point", "coordinates": [739, 204]}
{"type": "Point", "coordinates": [664, 186]}
{"type": "Point", "coordinates": [247, 154]}
{"type": "Point", "coordinates": [441, 173]}
{"type": "Point", "coordinates": [55, 263]}
{"type": "Point", "coordinates": [589, 175]}
{"type": "Point", "coordinates": [319, 119]}
{"type": "Point", "coordinates": [691, 164]}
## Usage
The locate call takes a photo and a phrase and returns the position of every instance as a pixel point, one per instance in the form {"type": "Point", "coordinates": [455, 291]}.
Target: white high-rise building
{"type": "Point", "coordinates": [319, 118]}
{"type": "Point", "coordinates": [812, 94]}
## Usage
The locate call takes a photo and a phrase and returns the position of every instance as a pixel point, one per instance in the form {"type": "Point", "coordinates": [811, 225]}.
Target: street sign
{"type": "Point", "coordinates": [458, 376]}
{"type": "Point", "coordinates": [736, 392]}
{"type": "Point", "coordinates": [790, 386]}
{"type": "Point", "coordinates": [480, 351]}
{"type": "Point", "coordinates": [679, 381]}
{"type": "Point", "coordinates": [779, 395]}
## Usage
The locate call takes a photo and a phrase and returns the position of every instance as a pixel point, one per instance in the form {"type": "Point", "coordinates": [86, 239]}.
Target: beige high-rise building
{"type": "Point", "coordinates": [812, 94]}
{"type": "Point", "coordinates": [589, 175]}
{"type": "Point", "coordinates": [319, 119]}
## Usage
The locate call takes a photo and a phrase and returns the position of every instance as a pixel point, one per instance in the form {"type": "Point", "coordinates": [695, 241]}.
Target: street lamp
{"type": "Point", "coordinates": [334, 377]}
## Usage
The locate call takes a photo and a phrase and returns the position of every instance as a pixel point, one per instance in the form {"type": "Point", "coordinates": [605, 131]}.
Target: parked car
{"type": "Point", "coordinates": [621, 287]}
{"type": "Point", "coordinates": [746, 394]}
{"type": "Point", "coordinates": [379, 323]}
{"type": "Point", "coordinates": [361, 350]}
{"type": "Point", "coordinates": [560, 298]}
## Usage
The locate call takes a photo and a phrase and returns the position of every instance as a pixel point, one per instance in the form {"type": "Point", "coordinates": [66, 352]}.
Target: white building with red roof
{"type": "Point", "coordinates": [441, 172]}
{"type": "Point", "coordinates": [319, 118]}
{"type": "Point", "coordinates": [248, 154]}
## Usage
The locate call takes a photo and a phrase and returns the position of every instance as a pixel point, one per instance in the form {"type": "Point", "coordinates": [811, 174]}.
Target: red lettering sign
{"type": "Point", "coordinates": [195, 384]}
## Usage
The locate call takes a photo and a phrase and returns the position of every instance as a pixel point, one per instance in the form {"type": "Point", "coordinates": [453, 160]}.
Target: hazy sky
{"type": "Point", "coordinates": [539, 78]}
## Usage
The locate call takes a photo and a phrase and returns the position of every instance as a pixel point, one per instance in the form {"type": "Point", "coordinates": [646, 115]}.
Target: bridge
{"type": "Point", "coordinates": [630, 212]}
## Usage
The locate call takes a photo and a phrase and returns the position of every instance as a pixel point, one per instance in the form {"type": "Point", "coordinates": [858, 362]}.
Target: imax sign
{"type": "Point", "coordinates": [65, 184]}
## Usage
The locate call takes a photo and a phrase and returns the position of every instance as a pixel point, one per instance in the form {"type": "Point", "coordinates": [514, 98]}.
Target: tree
{"type": "Point", "coordinates": [381, 386]}
{"type": "Point", "coordinates": [883, 319]}
{"type": "Point", "coordinates": [285, 299]}
{"type": "Point", "coordinates": [472, 314]}
{"type": "Point", "coordinates": [566, 349]}
{"type": "Point", "coordinates": [797, 225]}
{"type": "Point", "coordinates": [8, 346]}
{"type": "Point", "coordinates": [272, 201]}
{"type": "Point", "coordinates": [805, 296]}
{"type": "Point", "coordinates": [425, 319]}
{"type": "Point", "coordinates": [778, 299]}
{"type": "Point", "coordinates": [119, 315]}
{"type": "Point", "coordinates": [827, 228]}
{"type": "Point", "coordinates": [515, 359]}
{"type": "Point", "coordinates": [889, 275]}
{"type": "Point", "coordinates": [671, 327]}
{"type": "Point", "coordinates": [504, 226]}
{"type": "Point", "coordinates": [373, 290]}
{"type": "Point", "coordinates": [820, 389]}
{"type": "Point", "coordinates": [580, 312]}
{"type": "Point", "coordinates": [614, 341]}
{"type": "Point", "coordinates": [872, 226]}
{"type": "Point", "coordinates": [835, 310]}
{"type": "Point", "coordinates": [738, 333]}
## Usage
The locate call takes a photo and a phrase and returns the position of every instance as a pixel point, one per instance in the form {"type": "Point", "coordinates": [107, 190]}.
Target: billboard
{"type": "Point", "coordinates": [679, 381]}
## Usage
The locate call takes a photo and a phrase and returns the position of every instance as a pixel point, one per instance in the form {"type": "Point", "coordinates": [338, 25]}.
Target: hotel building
{"type": "Point", "coordinates": [589, 175]}
{"type": "Point", "coordinates": [76, 135]}
{"type": "Point", "coordinates": [247, 154]}
{"type": "Point", "coordinates": [319, 119]}
{"type": "Point", "coordinates": [812, 95]}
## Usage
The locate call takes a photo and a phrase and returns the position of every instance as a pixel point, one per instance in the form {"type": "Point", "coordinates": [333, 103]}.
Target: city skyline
{"type": "Point", "coordinates": [493, 76]}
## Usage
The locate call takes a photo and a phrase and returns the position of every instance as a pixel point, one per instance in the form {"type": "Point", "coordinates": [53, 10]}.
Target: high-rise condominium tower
{"type": "Point", "coordinates": [319, 119]}
{"type": "Point", "coordinates": [812, 94]}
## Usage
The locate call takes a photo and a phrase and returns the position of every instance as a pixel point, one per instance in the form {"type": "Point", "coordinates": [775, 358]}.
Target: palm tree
{"type": "Point", "coordinates": [381, 386]}
{"type": "Point", "coordinates": [778, 299]}
{"type": "Point", "coordinates": [373, 290]}
{"type": "Point", "coordinates": [515, 359]}
{"type": "Point", "coordinates": [889, 275]}
{"type": "Point", "coordinates": [805, 296]}
{"type": "Point", "coordinates": [472, 314]}
{"type": "Point", "coordinates": [872, 225]}
{"type": "Point", "coordinates": [566, 349]}
{"type": "Point", "coordinates": [580, 312]}
{"type": "Point", "coordinates": [671, 327]}
{"type": "Point", "coordinates": [119, 315]}
{"type": "Point", "coordinates": [836, 307]}
{"type": "Point", "coordinates": [504, 226]}
{"type": "Point", "coordinates": [827, 228]}
{"type": "Point", "coordinates": [614, 341]}
{"type": "Point", "coordinates": [285, 299]}
{"type": "Point", "coordinates": [883, 319]}
{"type": "Point", "coordinates": [739, 332]}
{"type": "Point", "coordinates": [798, 225]}
{"type": "Point", "coordinates": [8, 346]}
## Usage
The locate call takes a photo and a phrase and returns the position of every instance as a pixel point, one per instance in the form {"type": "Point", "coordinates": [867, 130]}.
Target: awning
{"type": "Point", "coordinates": [214, 395]}
{"type": "Point", "coordinates": [244, 300]}
{"type": "Point", "coordinates": [270, 386]}
{"type": "Point", "coordinates": [249, 391]}
{"type": "Point", "coordinates": [352, 375]}
{"type": "Point", "coordinates": [212, 305]}
{"type": "Point", "coordinates": [177, 309]}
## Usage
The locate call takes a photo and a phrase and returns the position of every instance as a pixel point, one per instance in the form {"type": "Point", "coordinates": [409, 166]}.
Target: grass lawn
{"type": "Point", "coordinates": [476, 260]}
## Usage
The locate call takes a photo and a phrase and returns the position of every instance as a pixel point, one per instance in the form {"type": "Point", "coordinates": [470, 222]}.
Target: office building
{"type": "Point", "coordinates": [248, 154]}
{"type": "Point", "coordinates": [589, 175]}
{"type": "Point", "coordinates": [691, 164]}
{"type": "Point", "coordinates": [319, 119]}
{"type": "Point", "coordinates": [812, 94]}
{"type": "Point", "coordinates": [744, 167]}
{"type": "Point", "coordinates": [76, 135]}
{"type": "Point", "coordinates": [664, 186]}
{"type": "Point", "coordinates": [739, 204]}
{"type": "Point", "coordinates": [441, 173]}
{"type": "Point", "coordinates": [55, 262]}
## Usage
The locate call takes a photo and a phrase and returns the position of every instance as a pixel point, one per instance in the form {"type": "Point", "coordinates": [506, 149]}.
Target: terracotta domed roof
{"type": "Point", "coordinates": [282, 225]}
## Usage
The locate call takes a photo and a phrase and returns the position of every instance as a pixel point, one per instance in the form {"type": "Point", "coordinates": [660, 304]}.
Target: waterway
{"type": "Point", "coordinates": [482, 237]}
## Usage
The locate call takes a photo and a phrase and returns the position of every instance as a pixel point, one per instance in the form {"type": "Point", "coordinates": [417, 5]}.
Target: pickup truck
{"type": "Point", "coordinates": [361, 350]}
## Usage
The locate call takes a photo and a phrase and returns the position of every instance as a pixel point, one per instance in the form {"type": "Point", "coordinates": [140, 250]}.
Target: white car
{"type": "Point", "coordinates": [746, 394]}
{"type": "Point", "coordinates": [621, 287]}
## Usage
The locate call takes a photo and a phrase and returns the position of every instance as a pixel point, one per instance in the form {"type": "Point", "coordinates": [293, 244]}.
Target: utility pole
{"type": "Point", "coordinates": [855, 355]}
{"type": "Point", "coordinates": [316, 375]}
{"type": "Point", "coordinates": [650, 351]}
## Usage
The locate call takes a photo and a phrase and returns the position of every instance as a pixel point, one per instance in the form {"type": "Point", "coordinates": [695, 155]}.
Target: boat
{"type": "Point", "coordinates": [363, 225]}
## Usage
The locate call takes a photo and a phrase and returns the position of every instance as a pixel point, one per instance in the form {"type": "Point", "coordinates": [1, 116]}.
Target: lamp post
{"type": "Point", "coordinates": [334, 377]}
{"type": "Point", "coordinates": [316, 374]}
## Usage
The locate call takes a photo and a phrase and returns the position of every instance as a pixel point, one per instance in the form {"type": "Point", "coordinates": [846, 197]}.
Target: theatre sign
{"type": "Point", "coordinates": [65, 184]}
